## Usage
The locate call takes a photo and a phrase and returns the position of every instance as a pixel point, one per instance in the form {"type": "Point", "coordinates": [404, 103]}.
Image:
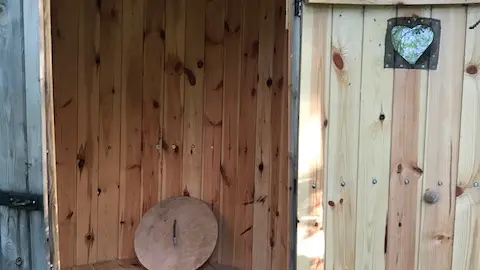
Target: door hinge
{"type": "Point", "coordinates": [298, 7]}
{"type": "Point", "coordinates": [23, 201]}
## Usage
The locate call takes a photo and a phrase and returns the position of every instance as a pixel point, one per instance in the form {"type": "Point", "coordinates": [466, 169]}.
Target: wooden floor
{"type": "Point", "coordinates": [134, 264]}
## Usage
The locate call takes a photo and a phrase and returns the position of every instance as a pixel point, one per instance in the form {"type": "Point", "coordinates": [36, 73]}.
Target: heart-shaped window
{"type": "Point", "coordinates": [412, 43]}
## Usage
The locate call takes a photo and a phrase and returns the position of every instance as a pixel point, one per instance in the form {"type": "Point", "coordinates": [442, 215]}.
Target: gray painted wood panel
{"type": "Point", "coordinates": [22, 236]}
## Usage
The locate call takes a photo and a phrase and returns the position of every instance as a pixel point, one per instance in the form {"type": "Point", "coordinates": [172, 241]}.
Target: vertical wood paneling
{"type": "Point", "coordinates": [374, 143]}
{"type": "Point", "coordinates": [178, 115]}
{"type": "Point", "coordinates": [246, 136]}
{"type": "Point", "coordinates": [131, 125]}
{"type": "Point", "coordinates": [466, 248]}
{"type": "Point", "coordinates": [109, 119]}
{"type": "Point", "coordinates": [342, 156]}
{"type": "Point", "coordinates": [262, 246]}
{"type": "Point", "coordinates": [153, 103]}
{"type": "Point", "coordinates": [279, 210]}
{"type": "Point", "coordinates": [313, 124]}
{"type": "Point", "coordinates": [442, 141]}
{"type": "Point", "coordinates": [406, 161]}
{"type": "Point", "coordinates": [213, 95]}
{"type": "Point", "coordinates": [87, 142]}
{"type": "Point", "coordinates": [193, 116]}
{"type": "Point", "coordinates": [228, 166]}
{"type": "Point", "coordinates": [65, 73]}
{"type": "Point", "coordinates": [174, 97]}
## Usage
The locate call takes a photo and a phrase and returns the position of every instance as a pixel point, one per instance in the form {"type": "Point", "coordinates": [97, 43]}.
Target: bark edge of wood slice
{"type": "Point", "coordinates": [196, 235]}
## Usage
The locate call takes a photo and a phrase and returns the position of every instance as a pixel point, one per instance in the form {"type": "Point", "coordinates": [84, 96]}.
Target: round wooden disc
{"type": "Point", "coordinates": [196, 235]}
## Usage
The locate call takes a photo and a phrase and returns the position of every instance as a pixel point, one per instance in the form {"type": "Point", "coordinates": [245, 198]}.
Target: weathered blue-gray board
{"type": "Point", "coordinates": [22, 230]}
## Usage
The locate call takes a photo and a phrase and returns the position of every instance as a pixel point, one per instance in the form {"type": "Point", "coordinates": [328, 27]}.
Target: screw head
{"type": "Point", "coordinates": [475, 184]}
{"type": "Point", "coordinates": [314, 185]}
{"type": "Point", "coordinates": [342, 184]}
{"type": "Point", "coordinates": [440, 183]}
{"type": "Point", "coordinates": [19, 261]}
{"type": "Point", "coordinates": [374, 181]}
{"type": "Point", "coordinates": [406, 181]}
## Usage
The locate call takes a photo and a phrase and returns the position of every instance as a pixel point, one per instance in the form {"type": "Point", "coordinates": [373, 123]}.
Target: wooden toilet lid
{"type": "Point", "coordinates": [196, 231]}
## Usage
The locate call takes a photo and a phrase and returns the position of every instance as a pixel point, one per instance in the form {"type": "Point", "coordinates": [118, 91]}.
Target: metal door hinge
{"type": "Point", "coordinates": [23, 201]}
{"type": "Point", "coordinates": [298, 7]}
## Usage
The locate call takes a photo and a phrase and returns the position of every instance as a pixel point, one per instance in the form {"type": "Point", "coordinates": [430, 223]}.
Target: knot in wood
{"type": "Point", "coordinates": [431, 196]}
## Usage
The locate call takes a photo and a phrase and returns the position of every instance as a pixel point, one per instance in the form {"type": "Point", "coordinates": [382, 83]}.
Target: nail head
{"type": "Point", "coordinates": [406, 181]}
{"type": "Point", "coordinates": [374, 181]}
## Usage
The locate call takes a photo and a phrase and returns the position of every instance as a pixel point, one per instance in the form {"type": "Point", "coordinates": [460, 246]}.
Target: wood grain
{"type": "Point", "coordinates": [174, 97]}
{"type": "Point", "coordinates": [374, 141]}
{"type": "Point", "coordinates": [442, 141]}
{"type": "Point", "coordinates": [230, 119]}
{"type": "Point", "coordinates": [467, 214]}
{"type": "Point", "coordinates": [87, 142]}
{"type": "Point", "coordinates": [153, 101]}
{"type": "Point", "coordinates": [343, 134]}
{"type": "Point", "coordinates": [213, 97]}
{"type": "Point", "coordinates": [193, 115]}
{"type": "Point", "coordinates": [131, 127]}
{"type": "Point", "coordinates": [246, 136]}
{"type": "Point", "coordinates": [313, 127]}
{"type": "Point", "coordinates": [109, 118]}
{"type": "Point", "coordinates": [65, 73]}
{"type": "Point", "coordinates": [262, 243]}
{"type": "Point", "coordinates": [406, 161]}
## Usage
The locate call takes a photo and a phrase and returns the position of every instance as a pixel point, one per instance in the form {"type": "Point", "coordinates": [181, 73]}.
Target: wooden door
{"type": "Point", "coordinates": [22, 230]}
{"type": "Point", "coordinates": [375, 138]}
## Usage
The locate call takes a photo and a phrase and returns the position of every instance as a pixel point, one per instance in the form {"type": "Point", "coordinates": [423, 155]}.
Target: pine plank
{"type": "Point", "coordinates": [193, 116]}
{"type": "Point", "coordinates": [312, 137]}
{"type": "Point", "coordinates": [406, 161]}
{"type": "Point", "coordinates": [279, 210]}
{"type": "Point", "coordinates": [65, 72]}
{"type": "Point", "coordinates": [374, 142]}
{"type": "Point", "coordinates": [174, 98]}
{"type": "Point", "coordinates": [246, 136]}
{"type": "Point", "coordinates": [87, 143]}
{"type": "Point", "coordinates": [442, 141]}
{"type": "Point", "coordinates": [343, 144]}
{"type": "Point", "coordinates": [262, 245]}
{"type": "Point", "coordinates": [153, 102]}
{"type": "Point", "coordinates": [213, 96]}
{"type": "Point", "coordinates": [467, 214]}
{"type": "Point", "coordinates": [109, 118]}
{"type": "Point", "coordinates": [131, 128]}
{"type": "Point", "coordinates": [230, 120]}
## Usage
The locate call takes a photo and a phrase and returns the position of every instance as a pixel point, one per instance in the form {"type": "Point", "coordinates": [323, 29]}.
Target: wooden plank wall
{"type": "Point", "coordinates": [22, 233]}
{"type": "Point", "coordinates": [156, 98]}
{"type": "Point", "coordinates": [374, 140]}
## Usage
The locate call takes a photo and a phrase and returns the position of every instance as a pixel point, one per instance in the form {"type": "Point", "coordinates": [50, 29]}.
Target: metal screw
{"type": "Point", "coordinates": [406, 181]}
{"type": "Point", "coordinates": [374, 181]}
{"type": "Point", "coordinates": [158, 146]}
{"type": "Point", "coordinates": [342, 184]}
{"type": "Point", "coordinates": [440, 183]}
{"type": "Point", "coordinates": [19, 261]}
{"type": "Point", "coordinates": [433, 55]}
{"type": "Point", "coordinates": [34, 202]}
{"type": "Point", "coordinates": [475, 184]}
{"type": "Point", "coordinates": [386, 65]}
{"type": "Point", "coordinates": [401, 65]}
{"type": "Point", "coordinates": [314, 185]}
{"type": "Point", "coordinates": [423, 66]}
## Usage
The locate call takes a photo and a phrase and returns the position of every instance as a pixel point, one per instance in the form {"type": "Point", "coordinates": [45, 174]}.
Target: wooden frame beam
{"type": "Point", "coordinates": [48, 134]}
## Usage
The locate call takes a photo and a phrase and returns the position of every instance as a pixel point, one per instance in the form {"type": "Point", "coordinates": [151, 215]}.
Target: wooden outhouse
{"type": "Point", "coordinates": [321, 134]}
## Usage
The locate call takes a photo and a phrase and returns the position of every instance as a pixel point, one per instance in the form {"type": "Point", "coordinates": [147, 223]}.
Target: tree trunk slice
{"type": "Point", "coordinates": [196, 235]}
